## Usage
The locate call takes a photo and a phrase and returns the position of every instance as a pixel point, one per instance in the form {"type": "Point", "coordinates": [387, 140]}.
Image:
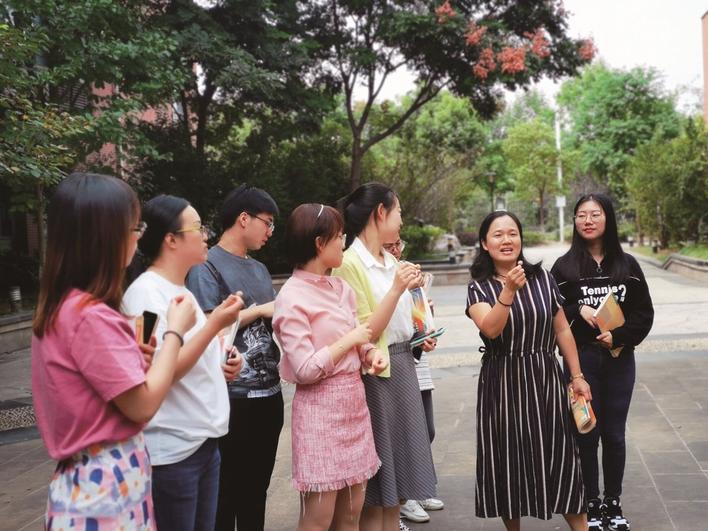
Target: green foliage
{"type": "Point", "coordinates": [532, 238]}
{"type": "Point", "coordinates": [668, 185]}
{"type": "Point", "coordinates": [368, 41]}
{"type": "Point", "coordinates": [427, 161]}
{"type": "Point", "coordinates": [696, 251]}
{"type": "Point", "coordinates": [612, 113]}
{"type": "Point", "coordinates": [532, 157]}
{"type": "Point", "coordinates": [419, 240]}
{"type": "Point", "coordinates": [33, 135]}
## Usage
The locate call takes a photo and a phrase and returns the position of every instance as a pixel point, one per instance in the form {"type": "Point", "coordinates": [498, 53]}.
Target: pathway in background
{"type": "Point", "coordinates": [666, 486]}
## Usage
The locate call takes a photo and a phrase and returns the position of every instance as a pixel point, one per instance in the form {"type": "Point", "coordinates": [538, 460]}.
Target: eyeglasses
{"type": "Point", "coordinates": [140, 229]}
{"type": "Point", "coordinates": [269, 224]}
{"type": "Point", "coordinates": [594, 216]}
{"type": "Point", "coordinates": [400, 245]}
{"type": "Point", "coordinates": [201, 228]}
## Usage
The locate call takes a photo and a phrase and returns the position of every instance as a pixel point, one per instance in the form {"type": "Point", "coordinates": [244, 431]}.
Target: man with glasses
{"type": "Point", "coordinates": [248, 450]}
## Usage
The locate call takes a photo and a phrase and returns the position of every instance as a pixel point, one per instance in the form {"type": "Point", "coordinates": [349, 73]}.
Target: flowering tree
{"type": "Point", "coordinates": [471, 47]}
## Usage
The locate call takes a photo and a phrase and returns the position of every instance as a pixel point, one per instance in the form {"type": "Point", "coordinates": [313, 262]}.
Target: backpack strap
{"type": "Point", "coordinates": [224, 290]}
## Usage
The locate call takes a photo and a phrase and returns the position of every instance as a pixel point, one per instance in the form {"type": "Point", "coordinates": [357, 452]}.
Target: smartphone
{"type": "Point", "coordinates": [150, 320]}
{"type": "Point", "coordinates": [231, 337]}
{"type": "Point", "coordinates": [419, 341]}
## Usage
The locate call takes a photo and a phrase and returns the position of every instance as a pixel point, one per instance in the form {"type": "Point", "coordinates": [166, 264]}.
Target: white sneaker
{"type": "Point", "coordinates": [411, 510]}
{"type": "Point", "coordinates": [431, 504]}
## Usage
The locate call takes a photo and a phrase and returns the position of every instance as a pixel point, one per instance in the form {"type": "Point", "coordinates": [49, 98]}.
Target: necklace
{"type": "Point", "coordinates": [500, 277]}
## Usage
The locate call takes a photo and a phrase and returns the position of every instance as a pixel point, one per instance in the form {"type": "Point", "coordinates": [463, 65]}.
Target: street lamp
{"type": "Point", "coordinates": [491, 177]}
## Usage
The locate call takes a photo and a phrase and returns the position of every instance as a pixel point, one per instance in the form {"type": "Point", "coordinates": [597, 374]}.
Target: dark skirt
{"type": "Point", "coordinates": [527, 458]}
{"type": "Point", "coordinates": [400, 434]}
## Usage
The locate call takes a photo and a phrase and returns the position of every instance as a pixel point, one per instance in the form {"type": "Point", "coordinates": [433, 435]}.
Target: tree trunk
{"type": "Point", "coordinates": [541, 216]}
{"type": "Point", "coordinates": [355, 169]}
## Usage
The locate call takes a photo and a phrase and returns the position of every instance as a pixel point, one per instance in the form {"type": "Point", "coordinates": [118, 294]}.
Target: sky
{"type": "Point", "coordinates": [663, 34]}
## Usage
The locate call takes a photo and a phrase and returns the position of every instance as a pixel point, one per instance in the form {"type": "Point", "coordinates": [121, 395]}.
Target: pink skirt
{"type": "Point", "coordinates": [333, 445]}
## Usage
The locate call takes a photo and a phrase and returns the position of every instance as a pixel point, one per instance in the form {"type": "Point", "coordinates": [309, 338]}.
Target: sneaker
{"type": "Point", "coordinates": [614, 520]}
{"type": "Point", "coordinates": [595, 516]}
{"type": "Point", "coordinates": [411, 510]}
{"type": "Point", "coordinates": [402, 526]}
{"type": "Point", "coordinates": [431, 504]}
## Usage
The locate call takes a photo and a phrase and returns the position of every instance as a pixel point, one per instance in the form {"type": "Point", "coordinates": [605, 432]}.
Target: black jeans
{"type": "Point", "coordinates": [247, 460]}
{"type": "Point", "coordinates": [611, 383]}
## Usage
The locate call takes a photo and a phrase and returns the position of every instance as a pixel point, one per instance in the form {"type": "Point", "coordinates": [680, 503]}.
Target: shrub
{"type": "Point", "coordinates": [532, 237]}
{"type": "Point", "coordinates": [419, 240]}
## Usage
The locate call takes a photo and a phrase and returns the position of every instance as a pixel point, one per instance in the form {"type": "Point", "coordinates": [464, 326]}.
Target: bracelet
{"type": "Point", "coordinates": [503, 303]}
{"type": "Point", "coordinates": [177, 334]}
{"type": "Point", "coordinates": [579, 375]}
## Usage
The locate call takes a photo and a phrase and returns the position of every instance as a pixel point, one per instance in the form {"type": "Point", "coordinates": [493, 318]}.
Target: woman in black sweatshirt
{"type": "Point", "coordinates": [594, 265]}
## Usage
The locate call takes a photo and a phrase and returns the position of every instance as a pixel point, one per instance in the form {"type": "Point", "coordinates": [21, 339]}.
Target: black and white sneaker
{"type": "Point", "coordinates": [614, 520]}
{"type": "Point", "coordinates": [595, 510]}
{"type": "Point", "coordinates": [402, 526]}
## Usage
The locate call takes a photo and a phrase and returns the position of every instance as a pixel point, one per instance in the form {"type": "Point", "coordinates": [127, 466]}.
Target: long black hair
{"type": "Point", "coordinates": [358, 206]}
{"type": "Point", "coordinates": [483, 266]}
{"type": "Point", "coordinates": [163, 215]}
{"type": "Point", "coordinates": [614, 265]}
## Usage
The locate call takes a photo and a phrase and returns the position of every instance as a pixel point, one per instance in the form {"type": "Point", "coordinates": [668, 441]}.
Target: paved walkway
{"type": "Point", "coordinates": [666, 480]}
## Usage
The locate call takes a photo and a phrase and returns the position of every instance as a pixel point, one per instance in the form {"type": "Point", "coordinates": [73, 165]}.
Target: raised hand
{"type": "Point", "coordinates": [181, 314]}
{"type": "Point", "coordinates": [516, 278]}
{"type": "Point", "coordinates": [227, 312]}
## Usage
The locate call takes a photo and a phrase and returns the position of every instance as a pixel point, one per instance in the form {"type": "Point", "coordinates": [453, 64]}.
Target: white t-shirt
{"type": "Point", "coordinates": [197, 406]}
{"type": "Point", "coordinates": [400, 327]}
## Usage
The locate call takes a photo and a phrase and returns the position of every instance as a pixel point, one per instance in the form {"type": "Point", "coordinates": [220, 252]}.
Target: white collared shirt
{"type": "Point", "coordinates": [400, 327]}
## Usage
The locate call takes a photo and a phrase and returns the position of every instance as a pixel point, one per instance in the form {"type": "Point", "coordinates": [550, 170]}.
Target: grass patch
{"type": "Point", "coordinates": [646, 250]}
{"type": "Point", "coordinates": [696, 251]}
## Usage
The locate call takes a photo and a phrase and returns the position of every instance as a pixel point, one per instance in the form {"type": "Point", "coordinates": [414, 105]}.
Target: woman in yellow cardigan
{"type": "Point", "coordinates": [372, 215]}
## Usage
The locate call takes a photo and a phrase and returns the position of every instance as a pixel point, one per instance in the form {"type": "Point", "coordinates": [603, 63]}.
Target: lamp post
{"type": "Point", "coordinates": [491, 177]}
{"type": "Point", "coordinates": [560, 199]}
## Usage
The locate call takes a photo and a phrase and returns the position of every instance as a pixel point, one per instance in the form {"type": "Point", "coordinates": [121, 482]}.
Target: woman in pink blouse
{"type": "Point", "coordinates": [323, 351]}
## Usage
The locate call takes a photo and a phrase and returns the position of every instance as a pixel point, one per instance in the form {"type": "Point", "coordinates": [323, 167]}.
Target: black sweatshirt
{"type": "Point", "coordinates": [632, 294]}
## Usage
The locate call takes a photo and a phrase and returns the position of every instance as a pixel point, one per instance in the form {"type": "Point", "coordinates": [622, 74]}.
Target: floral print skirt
{"type": "Point", "coordinates": [105, 486]}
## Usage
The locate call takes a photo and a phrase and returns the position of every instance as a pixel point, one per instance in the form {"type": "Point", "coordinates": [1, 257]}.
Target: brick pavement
{"type": "Point", "coordinates": [666, 481]}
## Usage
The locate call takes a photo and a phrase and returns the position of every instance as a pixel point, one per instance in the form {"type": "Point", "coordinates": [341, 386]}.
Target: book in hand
{"type": "Point", "coordinates": [422, 315]}
{"type": "Point", "coordinates": [609, 316]}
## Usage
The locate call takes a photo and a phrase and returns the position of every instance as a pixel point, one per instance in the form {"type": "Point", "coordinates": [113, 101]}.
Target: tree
{"type": "Point", "coordinates": [668, 185]}
{"type": "Point", "coordinates": [104, 61]}
{"type": "Point", "coordinates": [532, 157]}
{"type": "Point", "coordinates": [612, 113]}
{"type": "Point", "coordinates": [428, 160]}
{"type": "Point", "coordinates": [470, 49]}
{"type": "Point", "coordinates": [241, 59]}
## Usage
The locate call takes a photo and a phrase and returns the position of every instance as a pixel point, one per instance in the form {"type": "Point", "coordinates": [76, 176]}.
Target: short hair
{"type": "Point", "coordinates": [307, 223]}
{"type": "Point", "coordinates": [248, 199]}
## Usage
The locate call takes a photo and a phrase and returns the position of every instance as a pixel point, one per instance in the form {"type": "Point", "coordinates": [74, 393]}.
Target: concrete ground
{"type": "Point", "coordinates": [666, 479]}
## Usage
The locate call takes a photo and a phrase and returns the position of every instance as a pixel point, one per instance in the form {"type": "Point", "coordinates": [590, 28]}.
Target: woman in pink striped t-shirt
{"type": "Point", "coordinates": [323, 351]}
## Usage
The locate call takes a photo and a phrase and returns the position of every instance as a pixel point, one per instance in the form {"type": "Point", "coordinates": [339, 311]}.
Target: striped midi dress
{"type": "Point", "coordinates": [527, 460]}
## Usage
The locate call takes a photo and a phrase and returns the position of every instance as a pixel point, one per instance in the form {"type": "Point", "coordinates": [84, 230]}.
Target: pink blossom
{"type": "Point", "coordinates": [512, 60]}
{"type": "Point", "coordinates": [474, 34]}
{"type": "Point", "coordinates": [539, 43]}
{"type": "Point", "coordinates": [445, 12]}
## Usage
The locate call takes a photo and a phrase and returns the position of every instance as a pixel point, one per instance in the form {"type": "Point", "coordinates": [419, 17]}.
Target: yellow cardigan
{"type": "Point", "coordinates": [353, 271]}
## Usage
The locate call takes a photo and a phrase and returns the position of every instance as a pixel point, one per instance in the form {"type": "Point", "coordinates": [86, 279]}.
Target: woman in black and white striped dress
{"type": "Point", "coordinates": [527, 461]}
